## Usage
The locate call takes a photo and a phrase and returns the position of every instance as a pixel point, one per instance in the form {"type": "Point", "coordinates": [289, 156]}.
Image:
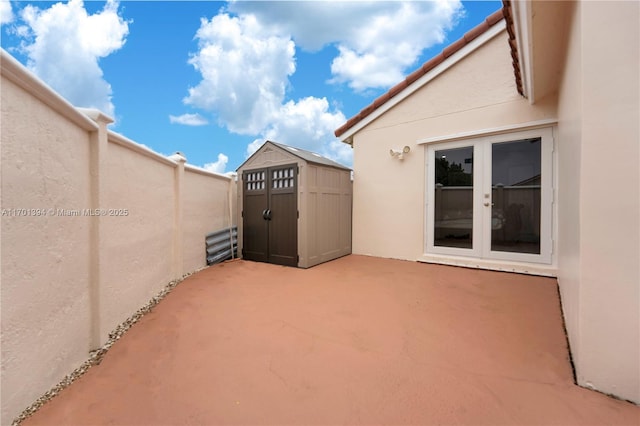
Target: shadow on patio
{"type": "Point", "coordinates": [359, 340]}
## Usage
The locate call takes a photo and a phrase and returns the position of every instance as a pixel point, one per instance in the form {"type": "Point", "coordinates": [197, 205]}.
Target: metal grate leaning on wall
{"type": "Point", "coordinates": [222, 245]}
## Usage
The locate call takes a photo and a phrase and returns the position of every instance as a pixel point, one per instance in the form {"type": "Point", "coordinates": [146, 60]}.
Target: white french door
{"type": "Point", "coordinates": [491, 197]}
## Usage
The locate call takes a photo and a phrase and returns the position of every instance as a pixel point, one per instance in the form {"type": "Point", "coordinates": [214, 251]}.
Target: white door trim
{"type": "Point", "coordinates": [477, 217]}
{"type": "Point", "coordinates": [481, 252]}
{"type": "Point", "coordinates": [530, 125]}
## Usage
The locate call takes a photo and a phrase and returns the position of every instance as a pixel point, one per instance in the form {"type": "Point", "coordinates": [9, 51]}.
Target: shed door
{"type": "Point", "coordinates": [270, 216]}
{"type": "Point", "coordinates": [255, 227]}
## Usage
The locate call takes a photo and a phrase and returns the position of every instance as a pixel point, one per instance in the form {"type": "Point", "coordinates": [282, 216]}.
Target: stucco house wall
{"type": "Point", "coordinates": [599, 200]}
{"type": "Point", "coordinates": [389, 195]}
{"type": "Point", "coordinates": [569, 185]}
{"type": "Point", "coordinates": [580, 65]}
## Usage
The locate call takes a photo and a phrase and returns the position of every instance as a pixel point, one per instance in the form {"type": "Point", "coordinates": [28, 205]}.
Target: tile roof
{"type": "Point", "coordinates": [508, 16]}
{"type": "Point", "coordinates": [490, 21]}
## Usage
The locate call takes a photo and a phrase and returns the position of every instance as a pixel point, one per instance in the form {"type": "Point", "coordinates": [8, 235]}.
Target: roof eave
{"type": "Point", "coordinates": [522, 26]}
{"type": "Point", "coordinates": [493, 31]}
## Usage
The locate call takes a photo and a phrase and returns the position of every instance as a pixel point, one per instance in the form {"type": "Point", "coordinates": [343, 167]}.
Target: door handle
{"type": "Point", "coordinates": [487, 204]}
{"type": "Point", "coordinates": [266, 214]}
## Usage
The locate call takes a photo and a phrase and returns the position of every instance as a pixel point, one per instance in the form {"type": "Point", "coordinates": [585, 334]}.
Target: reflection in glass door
{"type": "Point", "coordinates": [515, 195]}
{"type": "Point", "coordinates": [453, 226]}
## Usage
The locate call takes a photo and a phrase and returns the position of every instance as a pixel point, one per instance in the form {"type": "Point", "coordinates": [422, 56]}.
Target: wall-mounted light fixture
{"type": "Point", "coordinates": [399, 153]}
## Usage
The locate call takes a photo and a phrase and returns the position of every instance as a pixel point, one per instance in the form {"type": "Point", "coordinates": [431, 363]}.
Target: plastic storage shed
{"type": "Point", "coordinates": [294, 206]}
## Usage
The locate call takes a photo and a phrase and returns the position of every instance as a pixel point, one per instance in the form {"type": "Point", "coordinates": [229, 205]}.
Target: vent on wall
{"type": "Point", "coordinates": [222, 245]}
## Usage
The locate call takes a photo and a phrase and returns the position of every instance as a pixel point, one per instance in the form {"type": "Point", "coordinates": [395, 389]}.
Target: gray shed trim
{"type": "Point", "coordinates": [308, 156]}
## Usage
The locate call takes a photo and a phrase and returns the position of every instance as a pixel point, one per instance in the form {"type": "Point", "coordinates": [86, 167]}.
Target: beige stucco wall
{"type": "Point", "coordinates": [477, 93]}
{"type": "Point", "coordinates": [569, 186]}
{"type": "Point", "coordinates": [136, 247]}
{"type": "Point", "coordinates": [599, 243]}
{"type": "Point", "coordinates": [69, 278]}
{"type": "Point", "coordinates": [596, 103]}
{"type": "Point", "coordinates": [206, 201]}
{"type": "Point", "coordinates": [45, 266]}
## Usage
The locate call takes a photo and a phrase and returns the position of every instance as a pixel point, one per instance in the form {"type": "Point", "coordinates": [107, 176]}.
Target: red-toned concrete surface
{"type": "Point", "coordinates": [359, 340]}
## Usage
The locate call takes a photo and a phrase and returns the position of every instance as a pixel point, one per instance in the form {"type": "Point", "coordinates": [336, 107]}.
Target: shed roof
{"type": "Point", "coordinates": [454, 47]}
{"type": "Point", "coordinates": [308, 156]}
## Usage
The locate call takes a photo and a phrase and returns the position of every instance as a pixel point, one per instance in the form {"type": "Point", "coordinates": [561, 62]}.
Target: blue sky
{"type": "Point", "coordinates": [213, 80]}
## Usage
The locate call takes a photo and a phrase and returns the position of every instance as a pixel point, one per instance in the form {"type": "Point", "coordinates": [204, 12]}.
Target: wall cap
{"type": "Point", "coordinates": [125, 142]}
{"type": "Point", "coordinates": [96, 115]}
{"type": "Point", "coordinates": [178, 157]}
{"type": "Point", "coordinates": [200, 170]}
{"type": "Point", "coordinates": [14, 71]}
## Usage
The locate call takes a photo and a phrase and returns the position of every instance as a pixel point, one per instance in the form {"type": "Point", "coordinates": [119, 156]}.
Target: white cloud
{"type": "Point", "coordinates": [218, 166]}
{"type": "Point", "coordinates": [376, 41]}
{"type": "Point", "coordinates": [189, 119]}
{"type": "Point", "coordinates": [368, 70]}
{"type": "Point", "coordinates": [6, 12]}
{"type": "Point", "coordinates": [244, 72]}
{"type": "Point", "coordinates": [64, 45]}
{"type": "Point", "coordinates": [253, 146]}
{"type": "Point", "coordinates": [245, 68]}
{"type": "Point", "coordinates": [309, 124]}
{"type": "Point", "coordinates": [246, 61]}
{"type": "Point", "coordinates": [331, 21]}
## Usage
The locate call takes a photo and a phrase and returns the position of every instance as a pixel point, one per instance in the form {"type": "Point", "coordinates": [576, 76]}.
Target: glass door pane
{"type": "Point", "coordinates": [515, 196]}
{"type": "Point", "coordinates": [453, 198]}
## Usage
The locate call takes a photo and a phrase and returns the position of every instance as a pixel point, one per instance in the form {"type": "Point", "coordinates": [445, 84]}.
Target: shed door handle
{"type": "Point", "coordinates": [266, 214]}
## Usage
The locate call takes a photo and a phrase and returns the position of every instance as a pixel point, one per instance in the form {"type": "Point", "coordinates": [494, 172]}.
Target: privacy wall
{"type": "Point", "coordinates": [93, 226]}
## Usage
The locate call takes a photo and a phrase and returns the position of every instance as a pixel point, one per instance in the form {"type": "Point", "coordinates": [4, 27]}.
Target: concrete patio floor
{"type": "Point", "coordinates": [359, 340]}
